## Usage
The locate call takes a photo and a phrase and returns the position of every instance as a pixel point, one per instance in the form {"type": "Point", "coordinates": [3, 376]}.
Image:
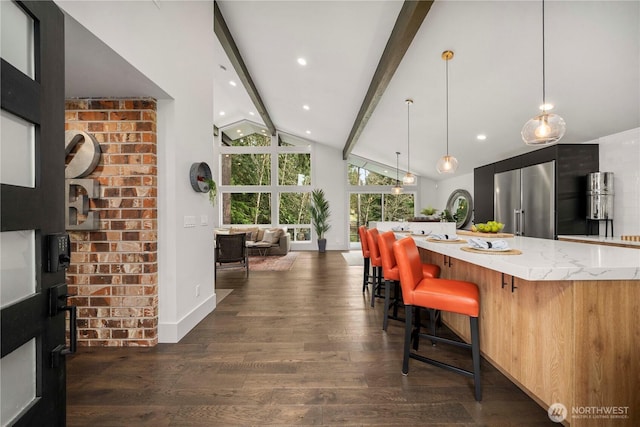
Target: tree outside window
{"type": "Point", "coordinates": [246, 208]}
{"type": "Point", "coordinates": [294, 169]}
{"type": "Point", "coordinates": [246, 169]}
{"type": "Point", "coordinates": [251, 191]}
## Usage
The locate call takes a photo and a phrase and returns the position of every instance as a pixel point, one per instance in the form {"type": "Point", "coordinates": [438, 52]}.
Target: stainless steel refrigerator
{"type": "Point", "coordinates": [524, 200]}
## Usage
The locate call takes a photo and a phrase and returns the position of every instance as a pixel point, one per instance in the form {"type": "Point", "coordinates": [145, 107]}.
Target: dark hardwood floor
{"type": "Point", "coordinates": [301, 347]}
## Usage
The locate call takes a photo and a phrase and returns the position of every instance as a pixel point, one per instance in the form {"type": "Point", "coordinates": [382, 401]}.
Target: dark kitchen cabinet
{"type": "Point", "coordinates": [483, 193]}
{"type": "Point", "coordinates": [573, 163]}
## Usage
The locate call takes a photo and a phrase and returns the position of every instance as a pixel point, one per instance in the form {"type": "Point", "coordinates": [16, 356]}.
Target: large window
{"type": "Point", "coordinates": [246, 208]}
{"type": "Point", "coordinates": [294, 169]}
{"type": "Point", "coordinates": [365, 207]}
{"type": "Point", "coordinates": [265, 180]}
{"type": "Point", "coordinates": [294, 210]}
{"type": "Point", "coordinates": [246, 169]}
{"type": "Point", "coordinates": [371, 198]}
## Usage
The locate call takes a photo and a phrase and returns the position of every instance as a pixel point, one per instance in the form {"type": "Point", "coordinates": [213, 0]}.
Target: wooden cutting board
{"type": "Point", "coordinates": [479, 234]}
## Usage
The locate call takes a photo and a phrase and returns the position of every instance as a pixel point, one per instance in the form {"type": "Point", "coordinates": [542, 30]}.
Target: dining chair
{"type": "Point", "coordinates": [454, 296]}
{"type": "Point", "coordinates": [391, 275]}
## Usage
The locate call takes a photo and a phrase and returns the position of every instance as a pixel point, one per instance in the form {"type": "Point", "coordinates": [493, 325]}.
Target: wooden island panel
{"type": "Point", "coordinates": [542, 339]}
{"type": "Point", "coordinates": [570, 342]}
{"type": "Point", "coordinates": [607, 348]}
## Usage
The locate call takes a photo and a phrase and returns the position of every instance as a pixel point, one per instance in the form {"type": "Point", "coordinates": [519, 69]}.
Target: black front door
{"type": "Point", "coordinates": [32, 300]}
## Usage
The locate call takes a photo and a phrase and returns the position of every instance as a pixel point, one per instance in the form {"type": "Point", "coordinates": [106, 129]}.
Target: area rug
{"type": "Point", "coordinates": [353, 258]}
{"type": "Point", "coordinates": [273, 262]}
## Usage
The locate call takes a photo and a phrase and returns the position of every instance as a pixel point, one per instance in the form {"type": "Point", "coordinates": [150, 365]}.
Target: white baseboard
{"type": "Point", "coordinates": [173, 332]}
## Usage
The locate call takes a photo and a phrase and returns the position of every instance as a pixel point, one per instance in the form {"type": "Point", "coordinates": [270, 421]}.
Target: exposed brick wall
{"type": "Point", "coordinates": [113, 270]}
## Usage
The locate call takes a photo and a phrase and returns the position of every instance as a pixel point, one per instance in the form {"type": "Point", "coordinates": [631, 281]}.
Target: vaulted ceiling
{"type": "Point", "coordinates": [592, 53]}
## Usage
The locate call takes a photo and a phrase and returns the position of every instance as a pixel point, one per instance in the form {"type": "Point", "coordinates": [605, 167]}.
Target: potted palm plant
{"type": "Point", "coordinates": [320, 217]}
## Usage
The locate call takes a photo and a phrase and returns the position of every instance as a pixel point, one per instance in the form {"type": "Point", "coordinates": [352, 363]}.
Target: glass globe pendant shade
{"type": "Point", "coordinates": [447, 164]}
{"type": "Point", "coordinates": [543, 129]}
{"type": "Point", "coordinates": [396, 189]}
{"type": "Point", "coordinates": [409, 179]}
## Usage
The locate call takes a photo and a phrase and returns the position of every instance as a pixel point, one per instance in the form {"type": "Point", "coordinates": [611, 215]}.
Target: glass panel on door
{"type": "Point", "coordinates": [16, 46]}
{"type": "Point", "coordinates": [17, 148]}
{"type": "Point", "coordinates": [17, 381]}
{"type": "Point", "coordinates": [17, 266]}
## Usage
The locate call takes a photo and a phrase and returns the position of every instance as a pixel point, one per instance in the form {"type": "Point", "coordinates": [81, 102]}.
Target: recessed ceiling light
{"type": "Point", "coordinates": [264, 131]}
{"type": "Point", "coordinates": [251, 113]}
{"type": "Point", "coordinates": [232, 83]}
{"type": "Point", "coordinates": [222, 113]}
{"type": "Point", "coordinates": [302, 61]}
{"type": "Point", "coordinates": [239, 130]}
{"type": "Point", "coordinates": [308, 132]}
{"type": "Point", "coordinates": [305, 107]}
{"type": "Point", "coordinates": [546, 107]}
{"type": "Point", "coordinates": [481, 137]}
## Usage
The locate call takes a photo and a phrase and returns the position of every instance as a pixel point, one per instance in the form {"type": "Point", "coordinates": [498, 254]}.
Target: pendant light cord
{"type": "Point", "coordinates": [544, 101]}
{"type": "Point", "coordinates": [408, 140]}
{"type": "Point", "coordinates": [447, 80]}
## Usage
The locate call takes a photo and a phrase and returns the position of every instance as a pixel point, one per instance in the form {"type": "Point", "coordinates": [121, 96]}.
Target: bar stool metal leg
{"type": "Point", "coordinates": [365, 278]}
{"type": "Point", "coordinates": [475, 354]}
{"type": "Point", "coordinates": [387, 299]}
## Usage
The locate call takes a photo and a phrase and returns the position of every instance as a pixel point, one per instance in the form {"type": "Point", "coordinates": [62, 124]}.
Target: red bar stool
{"type": "Point", "coordinates": [447, 295]}
{"type": "Point", "coordinates": [362, 232]}
{"type": "Point", "coordinates": [376, 263]}
{"type": "Point", "coordinates": [391, 276]}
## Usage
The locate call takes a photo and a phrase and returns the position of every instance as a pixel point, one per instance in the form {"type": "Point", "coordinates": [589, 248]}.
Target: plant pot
{"type": "Point", "coordinates": [322, 245]}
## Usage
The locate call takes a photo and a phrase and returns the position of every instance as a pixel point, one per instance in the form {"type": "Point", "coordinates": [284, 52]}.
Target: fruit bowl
{"type": "Point", "coordinates": [488, 227]}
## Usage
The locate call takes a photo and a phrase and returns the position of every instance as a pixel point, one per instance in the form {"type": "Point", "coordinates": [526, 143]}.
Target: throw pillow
{"type": "Point", "coordinates": [260, 234]}
{"type": "Point", "coordinates": [268, 237]}
{"type": "Point", "coordinates": [278, 232]}
{"type": "Point", "coordinates": [276, 237]}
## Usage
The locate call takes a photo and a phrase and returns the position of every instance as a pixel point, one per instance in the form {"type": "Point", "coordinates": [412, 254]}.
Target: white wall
{"type": "Point", "coordinates": [330, 174]}
{"type": "Point", "coordinates": [182, 64]}
{"type": "Point", "coordinates": [427, 195]}
{"type": "Point", "coordinates": [620, 154]}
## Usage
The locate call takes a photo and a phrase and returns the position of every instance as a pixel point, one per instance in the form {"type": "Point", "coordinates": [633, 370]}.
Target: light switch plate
{"type": "Point", "coordinates": [189, 221]}
{"type": "Point", "coordinates": [204, 220]}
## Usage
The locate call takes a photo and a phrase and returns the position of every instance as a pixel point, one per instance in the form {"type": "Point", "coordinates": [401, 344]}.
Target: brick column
{"type": "Point", "coordinates": [113, 270]}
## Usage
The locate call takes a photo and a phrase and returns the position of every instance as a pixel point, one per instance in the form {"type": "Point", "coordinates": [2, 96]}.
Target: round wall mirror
{"type": "Point", "coordinates": [460, 206]}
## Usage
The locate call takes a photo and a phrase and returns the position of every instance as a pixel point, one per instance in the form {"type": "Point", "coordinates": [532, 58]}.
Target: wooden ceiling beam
{"type": "Point", "coordinates": [229, 45]}
{"type": "Point", "coordinates": [407, 24]}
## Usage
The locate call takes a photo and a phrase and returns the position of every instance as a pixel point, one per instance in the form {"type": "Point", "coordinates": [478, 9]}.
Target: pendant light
{"type": "Point", "coordinates": [545, 128]}
{"type": "Point", "coordinates": [409, 178]}
{"type": "Point", "coordinates": [397, 189]}
{"type": "Point", "coordinates": [447, 163]}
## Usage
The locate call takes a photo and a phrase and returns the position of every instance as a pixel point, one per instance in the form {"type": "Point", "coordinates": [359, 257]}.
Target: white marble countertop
{"type": "Point", "coordinates": [602, 239]}
{"type": "Point", "coordinates": [544, 259]}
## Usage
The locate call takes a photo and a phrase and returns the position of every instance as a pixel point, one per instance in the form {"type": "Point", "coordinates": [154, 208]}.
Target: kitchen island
{"type": "Point", "coordinates": [561, 320]}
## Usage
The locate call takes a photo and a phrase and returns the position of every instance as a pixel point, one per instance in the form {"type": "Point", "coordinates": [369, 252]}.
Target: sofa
{"type": "Point", "coordinates": [265, 241]}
